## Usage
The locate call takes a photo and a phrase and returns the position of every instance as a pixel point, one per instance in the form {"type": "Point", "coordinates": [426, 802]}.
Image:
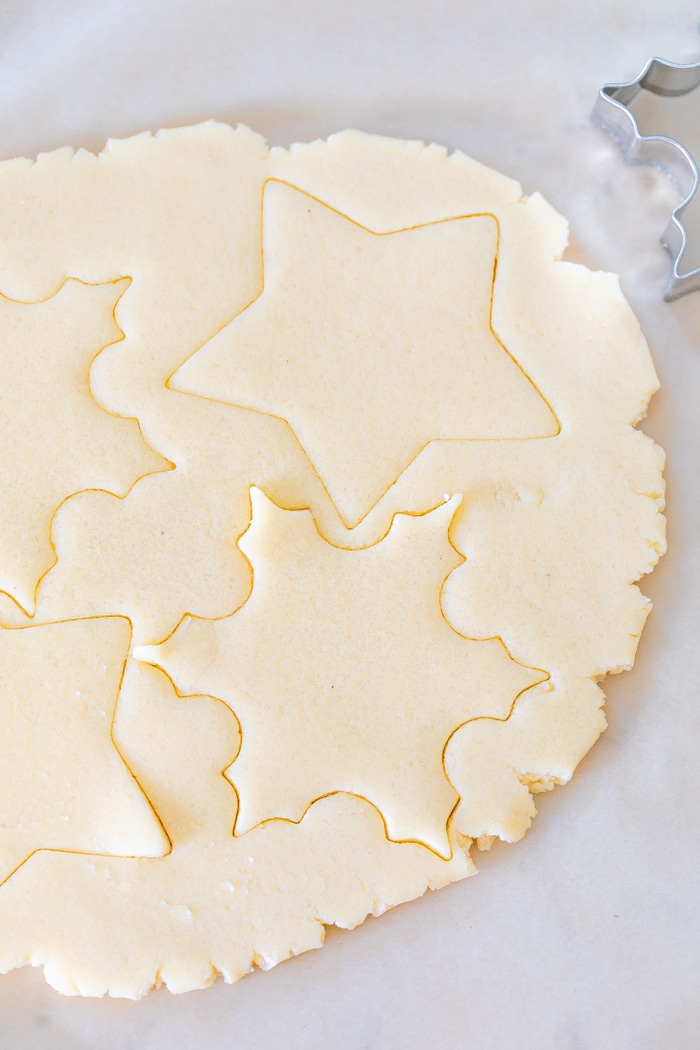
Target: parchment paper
{"type": "Point", "coordinates": [585, 935]}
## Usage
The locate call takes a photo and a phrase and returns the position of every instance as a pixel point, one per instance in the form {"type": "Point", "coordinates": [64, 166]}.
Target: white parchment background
{"type": "Point", "coordinates": [586, 935]}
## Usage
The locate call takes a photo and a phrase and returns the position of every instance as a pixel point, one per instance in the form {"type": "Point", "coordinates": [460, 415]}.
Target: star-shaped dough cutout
{"type": "Point", "coordinates": [63, 784]}
{"type": "Point", "coordinates": [55, 438]}
{"type": "Point", "coordinates": [369, 683]}
{"type": "Point", "coordinates": [370, 345]}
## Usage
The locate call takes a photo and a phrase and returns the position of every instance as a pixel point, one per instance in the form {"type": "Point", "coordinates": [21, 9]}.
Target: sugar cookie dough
{"type": "Point", "coordinates": [322, 521]}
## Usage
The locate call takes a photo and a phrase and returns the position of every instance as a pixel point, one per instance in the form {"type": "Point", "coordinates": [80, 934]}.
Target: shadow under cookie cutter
{"type": "Point", "coordinates": [611, 113]}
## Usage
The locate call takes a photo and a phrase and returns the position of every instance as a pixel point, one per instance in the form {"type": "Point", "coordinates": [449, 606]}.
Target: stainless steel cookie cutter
{"type": "Point", "coordinates": [611, 113]}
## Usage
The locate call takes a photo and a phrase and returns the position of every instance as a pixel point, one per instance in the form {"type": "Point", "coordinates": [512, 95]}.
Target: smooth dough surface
{"type": "Point", "coordinates": [331, 463]}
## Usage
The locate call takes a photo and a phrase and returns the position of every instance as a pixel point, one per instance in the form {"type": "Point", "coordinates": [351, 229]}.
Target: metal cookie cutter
{"type": "Point", "coordinates": [611, 113]}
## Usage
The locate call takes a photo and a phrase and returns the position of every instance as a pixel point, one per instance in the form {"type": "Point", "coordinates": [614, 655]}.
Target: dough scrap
{"type": "Point", "coordinates": [171, 521]}
{"type": "Point", "coordinates": [560, 515]}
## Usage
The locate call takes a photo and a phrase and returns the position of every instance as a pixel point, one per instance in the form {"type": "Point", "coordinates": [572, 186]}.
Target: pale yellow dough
{"type": "Point", "coordinates": [328, 694]}
{"type": "Point", "coordinates": [336, 447]}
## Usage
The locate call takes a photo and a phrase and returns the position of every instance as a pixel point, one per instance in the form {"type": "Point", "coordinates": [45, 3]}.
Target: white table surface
{"type": "Point", "coordinates": [585, 935]}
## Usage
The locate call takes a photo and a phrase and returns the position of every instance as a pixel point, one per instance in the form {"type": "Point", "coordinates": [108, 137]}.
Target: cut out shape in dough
{"type": "Point", "coordinates": [63, 784]}
{"type": "Point", "coordinates": [344, 673]}
{"type": "Point", "coordinates": [55, 438]}
{"type": "Point", "coordinates": [370, 345]}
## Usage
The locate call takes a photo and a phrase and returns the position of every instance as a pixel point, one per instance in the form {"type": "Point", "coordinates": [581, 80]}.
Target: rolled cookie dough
{"type": "Point", "coordinates": [387, 512]}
